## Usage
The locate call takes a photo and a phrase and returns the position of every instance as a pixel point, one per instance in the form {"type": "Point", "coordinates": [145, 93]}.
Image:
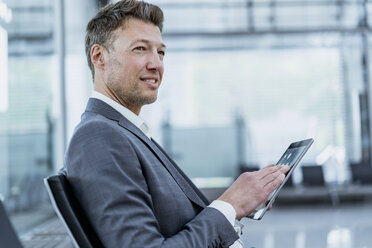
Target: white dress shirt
{"type": "Point", "coordinates": [225, 208]}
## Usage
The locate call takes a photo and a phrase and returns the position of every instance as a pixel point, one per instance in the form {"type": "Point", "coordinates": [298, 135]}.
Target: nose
{"type": "Point", "coordinates": [155, 62]}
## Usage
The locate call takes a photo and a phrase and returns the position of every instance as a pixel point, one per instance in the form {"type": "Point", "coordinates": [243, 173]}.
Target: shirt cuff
{"type": "Point", "coordinates": [226, 209]}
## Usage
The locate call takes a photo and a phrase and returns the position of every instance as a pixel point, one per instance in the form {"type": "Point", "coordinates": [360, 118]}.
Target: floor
{"type": "Point", "coordinates": [51, 234]}
{"type": "Point", "coordinates": [319, 226]}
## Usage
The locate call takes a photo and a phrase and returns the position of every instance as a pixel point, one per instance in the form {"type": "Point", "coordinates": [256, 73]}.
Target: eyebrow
{"type": "Point", "coordinates": [147, 42]}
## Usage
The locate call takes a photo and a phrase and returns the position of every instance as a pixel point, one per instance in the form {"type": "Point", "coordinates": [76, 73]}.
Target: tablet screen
{"type": "Point", "coordinates": [291, 155]}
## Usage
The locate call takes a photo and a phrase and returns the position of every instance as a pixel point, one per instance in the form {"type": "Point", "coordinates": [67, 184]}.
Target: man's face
{"type": "Point", "coordinates": [134, 68]}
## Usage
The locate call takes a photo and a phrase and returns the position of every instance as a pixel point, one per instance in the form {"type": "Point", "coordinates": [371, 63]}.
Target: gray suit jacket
{"type": "Point", "coordinates": [133, 194]}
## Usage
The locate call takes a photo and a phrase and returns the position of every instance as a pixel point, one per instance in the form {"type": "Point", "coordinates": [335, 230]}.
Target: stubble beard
{"type": "Point", "coordinates": [132, 95]}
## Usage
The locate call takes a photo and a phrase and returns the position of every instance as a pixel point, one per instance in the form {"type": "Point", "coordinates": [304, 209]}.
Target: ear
{"type": "Point", "coordinates": [97, 55]}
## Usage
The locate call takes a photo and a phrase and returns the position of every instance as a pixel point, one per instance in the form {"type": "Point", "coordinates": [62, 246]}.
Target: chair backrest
{"type": "Point", "coordinates": [312, 175]}
{"type": "Point", "coordinates": [361, 173]}
{"type": "Point", "coordinates": [70, 212]}
{"type": "Point", "coordinates": [8, 236]}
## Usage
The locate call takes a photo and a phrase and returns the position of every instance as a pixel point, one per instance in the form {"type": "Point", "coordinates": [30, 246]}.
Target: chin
{"type": "Point", "coordinates": [151, 99]}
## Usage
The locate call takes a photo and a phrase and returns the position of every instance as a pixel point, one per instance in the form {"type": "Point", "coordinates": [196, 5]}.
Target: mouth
{"type": "Point", "coordinates": [152, 82]}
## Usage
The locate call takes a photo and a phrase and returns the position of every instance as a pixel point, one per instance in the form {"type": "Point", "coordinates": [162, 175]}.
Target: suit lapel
{"type": "Point", "coordinates": [182, 180]}
{"type": "Point", "coordinates": [196, 190]}
{"type": "Point", "coordinates": [100, 107]}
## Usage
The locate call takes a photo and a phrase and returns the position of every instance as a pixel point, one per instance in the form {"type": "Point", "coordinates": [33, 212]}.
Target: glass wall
{"type": "Point", "coordinates": [282, 94]}
{"type": "Point", "coordinates": [26, 121]}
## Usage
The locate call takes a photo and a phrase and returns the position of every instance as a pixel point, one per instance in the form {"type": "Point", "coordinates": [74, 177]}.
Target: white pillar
{"type": "Point", "coordinates": [4, 166]}
{"type": "Point", "coordinates": [79, 83]}
{"type": "Point", "coordinates": [3, 70]}
{"type": "Point", "coordinates": [72, 70]}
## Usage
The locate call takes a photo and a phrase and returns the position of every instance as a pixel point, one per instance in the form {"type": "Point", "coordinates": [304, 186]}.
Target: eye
{"type": "Point", "coordinates": [162, 53]}
{"type": "Point", "coordinates": [140, 48]}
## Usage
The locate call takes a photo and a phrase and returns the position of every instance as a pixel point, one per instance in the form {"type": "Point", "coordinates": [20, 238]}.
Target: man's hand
{"type": "Point", "coordinates": [253, 188]}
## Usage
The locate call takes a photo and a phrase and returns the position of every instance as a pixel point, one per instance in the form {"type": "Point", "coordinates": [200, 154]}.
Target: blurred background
{"type": "Point", "coordinates": [243, 79]}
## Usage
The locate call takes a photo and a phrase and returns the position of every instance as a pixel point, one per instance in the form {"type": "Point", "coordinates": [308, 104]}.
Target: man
{"type": "Point", "coordinates": [133, 194]}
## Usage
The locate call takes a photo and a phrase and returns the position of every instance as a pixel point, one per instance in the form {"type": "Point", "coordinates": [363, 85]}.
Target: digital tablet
{"type": "Point", "coordinates": [291, 157]}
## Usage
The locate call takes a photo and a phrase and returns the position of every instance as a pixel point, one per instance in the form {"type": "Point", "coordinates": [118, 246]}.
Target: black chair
{"type": "Point", "coordinates": [312, 175]}
{"type": "Point", "coordinates": [70, 212]}
{"type": "Point", "coordinates": [248, 168]}
{"type": "Point", "coordinates": [361, 173]}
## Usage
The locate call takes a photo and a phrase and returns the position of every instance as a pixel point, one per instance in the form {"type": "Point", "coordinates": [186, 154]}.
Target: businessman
{"type": "Point", "coordinates": [132, 192]}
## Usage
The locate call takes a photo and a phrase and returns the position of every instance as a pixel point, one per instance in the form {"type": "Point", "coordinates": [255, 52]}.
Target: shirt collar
{"type": "Point", "coordinates": [132, 117]}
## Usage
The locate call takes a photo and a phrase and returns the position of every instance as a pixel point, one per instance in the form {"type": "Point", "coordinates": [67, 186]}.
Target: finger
{"type": "Point", "coordinates": [271, 205]}
{"type": "Point", "coordinates": [269, 165]}
{"type": "Point", "coordinates": [273, 184]}
{"type": "Point", "coordinates": [262, 172]}
{"type": "Point", "coordinates": [272, 177]}
{"type": "Point", "coordinates": [266, 171]}
{"type": "Point", "coordinates": [285, 169]}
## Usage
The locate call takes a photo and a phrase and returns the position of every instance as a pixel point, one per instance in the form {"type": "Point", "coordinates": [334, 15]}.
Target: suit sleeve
{"type": "Point", "coordinates": [106, 176]}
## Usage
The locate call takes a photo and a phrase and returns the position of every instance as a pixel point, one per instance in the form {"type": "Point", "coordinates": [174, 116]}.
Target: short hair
{"type": "Point", "coordinates": [101, 27]}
